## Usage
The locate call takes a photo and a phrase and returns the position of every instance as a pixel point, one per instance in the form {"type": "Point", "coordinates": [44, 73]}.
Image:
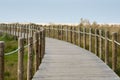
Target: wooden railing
{"type": "Point", "coordinates": [94, 40]}
{"type": "Point", "coordinates": [34, 36]}
{"type": "Point", "coordinates": [100, 42]}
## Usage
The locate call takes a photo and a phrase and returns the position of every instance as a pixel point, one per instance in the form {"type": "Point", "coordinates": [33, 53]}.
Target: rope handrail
{"type": "Point", "coordinates": [12, 52]}
{"type": "Point", "coordinates": [85, 33]}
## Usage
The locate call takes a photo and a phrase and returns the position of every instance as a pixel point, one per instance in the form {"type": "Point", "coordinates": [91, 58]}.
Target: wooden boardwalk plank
{"type": "Point", "coordinates": [65, 61]}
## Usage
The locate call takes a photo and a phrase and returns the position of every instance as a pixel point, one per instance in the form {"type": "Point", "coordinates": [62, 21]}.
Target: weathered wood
{"type": "Point", "coordinates": [24, 31]}
{"type": "Point", "coordinates": [36, 47]}
{"type": "Point", "coordinates": [10, 29]}
{"type": "Point", "coordinates": [84, 38]}
{"type": "Point", "coordinates": [61, 32]}
{"type": "Point", "coordinates": [5, 28]}
{"type": "Point", "coordinates": [57, 32]}
{"type": "Point", "coordinates": [30, 59]}
{"type": "Point", "coordinates": [74, 35]}
{"type": "Point", "coordinates": [69, 62]}
{"type": "Point", "coordinates": [71, 34]}
{"type": "Point", "coordinates": [13, 31]}
{"type": "Point", "coordinates": [106, 48]}
{"type": "Point", "coordinates": [27, 33]}
{"type": "Point", "coordinates": [29, 30]}
{"type": "Point", "coordinates": [32, 27]}
{"type": "Point", "coordinates": [96, 41]}
{"type": "Point", "coordinates": [52, 31]}
{"type": "Point", "coordinates": [40, 42]}
{"type": "Point", "coordinates": [21, 31]}
{"type": "Point", "coordinates": [20, 58]}
{"type": "Point", "coordinates": [43, 42]}
{"type": "Point", "coordinates": [90, 39]}
{"type": "Point", "coordinates": [15, 37]}
{"type": "Point", "coordinates": [78, 36]}
{"type": "Point", "coordinates": [18, 30]}
{"type": "Point", "coordinates": [42, 45]}
{"type": "Point", "coordinates": [114, 51]}
{"type": "Point", "coordinates": [67, 33]}
{"type": "Point", "coordinates": [49, 31]}
{"type": "Point", "coordinates": [39, 47]}
{"type": "Point", "coordinates": [2, 46]}
{"type": "Point", "coordinates": [100, 44]}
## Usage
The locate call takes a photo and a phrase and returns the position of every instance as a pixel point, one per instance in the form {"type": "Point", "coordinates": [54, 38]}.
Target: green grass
{"type": "Point", "coordinates": [12, 60]}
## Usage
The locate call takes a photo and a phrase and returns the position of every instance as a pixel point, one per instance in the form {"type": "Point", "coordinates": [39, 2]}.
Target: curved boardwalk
{"type": "Point", "coordinates": [65, 61]}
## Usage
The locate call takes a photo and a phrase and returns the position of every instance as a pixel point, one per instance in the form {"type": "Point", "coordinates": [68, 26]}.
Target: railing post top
{"type": "Point", "coordinates": [30, 38]}
{"type": "Point", "coordinates": [100, 32]}
{"type": "Point", "coordinates": [20, 38]}
{"type": "Point", "coordinates": [2, 43]}
{"type": "Point", "coordinates": [35, 32]}
{"type": "Point", "coordinates": [114, 33]}
{"type": "Point", "coordinates": [96, 29]}
{"type": "Point", "coordinates": [106, 31]}
{"type": "Point", "coordinates": [84, 28]}
{"type": "Point", "coordinates": [90, 28]}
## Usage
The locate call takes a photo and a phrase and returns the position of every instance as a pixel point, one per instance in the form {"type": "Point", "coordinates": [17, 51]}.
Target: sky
{"type": "Point", "coordinates": [60, 11]}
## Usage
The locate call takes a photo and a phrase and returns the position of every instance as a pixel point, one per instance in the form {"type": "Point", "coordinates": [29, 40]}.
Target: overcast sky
{"type": "Point", "coordinates": [60, 11]}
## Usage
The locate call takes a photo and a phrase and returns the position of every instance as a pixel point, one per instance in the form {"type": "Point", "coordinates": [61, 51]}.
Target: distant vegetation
{"type": "Point", "coordinates": [110, 27]}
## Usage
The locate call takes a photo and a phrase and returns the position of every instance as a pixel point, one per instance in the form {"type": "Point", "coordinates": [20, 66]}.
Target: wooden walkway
{"type": "Point", "coordinates": [65, 61]}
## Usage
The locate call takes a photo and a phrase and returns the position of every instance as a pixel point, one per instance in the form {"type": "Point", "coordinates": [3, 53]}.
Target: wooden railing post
{"type": "Point", "coordinates": [21, 31]}
{"type": "Point", "coordinates": [27, 32]}
{"type": "Point", "coordinates": [67, 33]}
{"type": "Point", "coordinates": [44, 41]}
{"type": "Point", "coordinates": [52, 31]}
{"type": "Point", "coordinates": [106, 48]}
{"type": "Point", "coordinates": [48, 31]}
{"type": "Point", "coordinates": [71, 34]}
{"type": "Point", "coordinates": [24, 30]}
{"type": "Point", "coordinates": [5, 28]}
{"type": "Point", "coordinates": [36, 46]}
{"type": "Point", "coordinates": [30, 59]}
{"type": "Point", "coordinates": [2, 45]}
{"type": "Point", "coordinates": [43, 44]}
{"type": "Point", "coordinates": [84, 38]}
{"type": "Point", "coordinates": [96, 41]}
{"type": "Point", "coordinates": [58, 32]}
{"type": "Point", "coordinates": [20, 58]}
{"type": "Point", "coordinates": [40, 43]}
{"type": "Point", "coordinates": [15, 31]}
{"type": "Point", "coordinates": [10, 29]}
{"type": "Point", "coordinates": [74, 35]}
{"type": "Point", "coordinates": [78, 36]}
{"type": "Point", "coordinates": [32, 31]}
{"type": "Point", "coordinates": [61, 32]}
{"type": "Point", "coordinates": [114, 51]}
{"type": "Point", "coordinates": [90, 39]}
{"type": "Point", "coordinates": [100, 44]}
